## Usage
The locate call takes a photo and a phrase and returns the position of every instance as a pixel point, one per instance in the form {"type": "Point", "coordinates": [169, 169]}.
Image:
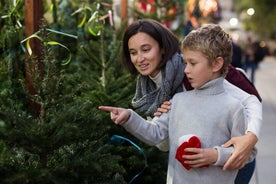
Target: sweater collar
{"type": "Point", "coordinates": [212, 87]}
{"type": "Point", "coordinates": [157, 79]}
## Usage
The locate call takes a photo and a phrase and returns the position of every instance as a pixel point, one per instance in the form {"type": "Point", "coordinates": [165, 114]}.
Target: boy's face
{"type": "Point", "coordinates": [198, 70]}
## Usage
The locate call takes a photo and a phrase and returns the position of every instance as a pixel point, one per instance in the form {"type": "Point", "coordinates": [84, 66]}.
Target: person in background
{"type": "Point", "coordinates": [254, 54]}
{"type": "Point", "coordinates": [237, 56]}
{"type": "Point", "coordinates": [206, 66]}
{"type": "Point", "coordinates": [249, 57]}
{"type": "Point", "coordinates": [152, 52]}
{"type": "Point", "coordinates": [190, 24]}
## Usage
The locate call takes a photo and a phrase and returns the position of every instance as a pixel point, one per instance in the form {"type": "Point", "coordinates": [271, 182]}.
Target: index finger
{"type": "Point", "coordinates": [232, 163]}
{"type": "Point", "coordinates": [193, 150]}
{"type": "Point", "coordinates": [107, 108]}
{"type": "Point", "coordinates": [227, 165]}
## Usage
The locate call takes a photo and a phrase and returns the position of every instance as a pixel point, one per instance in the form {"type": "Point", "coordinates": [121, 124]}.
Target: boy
{"type": "Point", "coordinates": [208, 112]}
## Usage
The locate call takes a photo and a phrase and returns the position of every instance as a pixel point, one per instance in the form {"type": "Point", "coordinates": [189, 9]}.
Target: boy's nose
{"type": "Point", "coordinates": [186, 70]}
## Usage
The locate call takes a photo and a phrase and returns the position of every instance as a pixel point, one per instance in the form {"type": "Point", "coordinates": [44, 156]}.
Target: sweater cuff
{"type": "Point", "coordinates": [129, 124]}
{"type": "Point", "coordinates": [223, 155]}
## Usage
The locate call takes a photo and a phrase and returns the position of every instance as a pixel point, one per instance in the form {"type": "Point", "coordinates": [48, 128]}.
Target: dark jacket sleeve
{"type": "Point", "coordinates": [238, 79]}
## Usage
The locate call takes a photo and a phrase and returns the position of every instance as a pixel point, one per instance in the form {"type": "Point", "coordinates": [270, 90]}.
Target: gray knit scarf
{"type": "Point", "coordinates": [148, 97]}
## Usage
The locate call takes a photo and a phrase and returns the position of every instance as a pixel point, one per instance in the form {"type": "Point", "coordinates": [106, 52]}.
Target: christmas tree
{"type": "Point", "coordinates": [64, 138]}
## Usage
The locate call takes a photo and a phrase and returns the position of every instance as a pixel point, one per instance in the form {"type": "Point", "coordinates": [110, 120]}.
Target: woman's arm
{"type": "Point", "coordinates": [243, 145]}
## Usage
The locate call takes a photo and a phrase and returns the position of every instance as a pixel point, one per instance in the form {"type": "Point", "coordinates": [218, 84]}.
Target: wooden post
{"type": "Point", "coordinates": [124, 14]}
{"type": "Point", "coordinates": [33, 17]}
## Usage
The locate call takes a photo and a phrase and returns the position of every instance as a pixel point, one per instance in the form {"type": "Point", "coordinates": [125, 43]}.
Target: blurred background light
{"type": "Point", "coordinates": [233, 22]}
{"type": "Point", "coordinates": [250, 11]}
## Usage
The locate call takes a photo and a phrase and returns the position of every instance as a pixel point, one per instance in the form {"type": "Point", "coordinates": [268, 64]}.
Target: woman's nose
{"type": "Point", "coordinates": [140, 58]}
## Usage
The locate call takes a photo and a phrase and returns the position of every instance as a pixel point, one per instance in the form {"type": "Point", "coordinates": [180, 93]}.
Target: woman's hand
{"type": "Point", "coordinates": [201, 157]}
{"type": "Point", "coordinates": [117, 115]}
{"type": "Point", "coordinates": [242, 149]}
{"type": "Point", "coordinates": [165, 107]}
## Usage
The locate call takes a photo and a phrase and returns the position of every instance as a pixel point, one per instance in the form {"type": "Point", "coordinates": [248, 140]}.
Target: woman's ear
{"type": "Point", "coordinates": [217, 64]}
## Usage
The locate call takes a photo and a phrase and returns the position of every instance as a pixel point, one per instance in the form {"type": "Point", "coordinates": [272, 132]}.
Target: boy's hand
{"type": "Point", "coordinates": [201, 157]}
{"type": "Point", "coordinates": [117, 115]}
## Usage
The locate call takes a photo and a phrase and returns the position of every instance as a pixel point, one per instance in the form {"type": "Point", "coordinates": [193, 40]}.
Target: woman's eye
{"type": "Point", "coordinates": [133, 53]}
{"type": "Point", "coordinates": [146, 49]}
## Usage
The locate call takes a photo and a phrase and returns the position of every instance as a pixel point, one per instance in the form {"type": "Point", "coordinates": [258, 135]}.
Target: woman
{"type": "Point", "coordinates": [153, 52]}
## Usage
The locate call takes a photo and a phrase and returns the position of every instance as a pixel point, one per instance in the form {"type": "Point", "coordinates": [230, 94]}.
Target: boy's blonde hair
{"type": "Point", "coordinates": [212, 41]}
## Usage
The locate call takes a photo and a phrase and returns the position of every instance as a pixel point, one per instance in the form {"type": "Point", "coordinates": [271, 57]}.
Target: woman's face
{"type": "Point", "coordinates": [145, 54]}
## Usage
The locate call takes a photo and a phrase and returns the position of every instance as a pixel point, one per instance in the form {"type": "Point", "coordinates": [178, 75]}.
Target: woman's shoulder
{"type": "Point", "coordinates": [237, 78]}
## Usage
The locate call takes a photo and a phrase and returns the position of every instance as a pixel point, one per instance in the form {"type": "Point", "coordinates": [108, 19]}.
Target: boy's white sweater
{"type": "Point", "coordinates": [208, 112]}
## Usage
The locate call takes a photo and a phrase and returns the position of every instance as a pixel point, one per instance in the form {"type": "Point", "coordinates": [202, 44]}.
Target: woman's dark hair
{"type": "Point", "coordinates": [165, 38]}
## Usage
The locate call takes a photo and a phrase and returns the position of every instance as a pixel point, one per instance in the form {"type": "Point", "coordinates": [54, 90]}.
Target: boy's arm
{"type": "Point", "coordinates": [207, 156]}
{"type": "Point", "coordinates": [151, 132]}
